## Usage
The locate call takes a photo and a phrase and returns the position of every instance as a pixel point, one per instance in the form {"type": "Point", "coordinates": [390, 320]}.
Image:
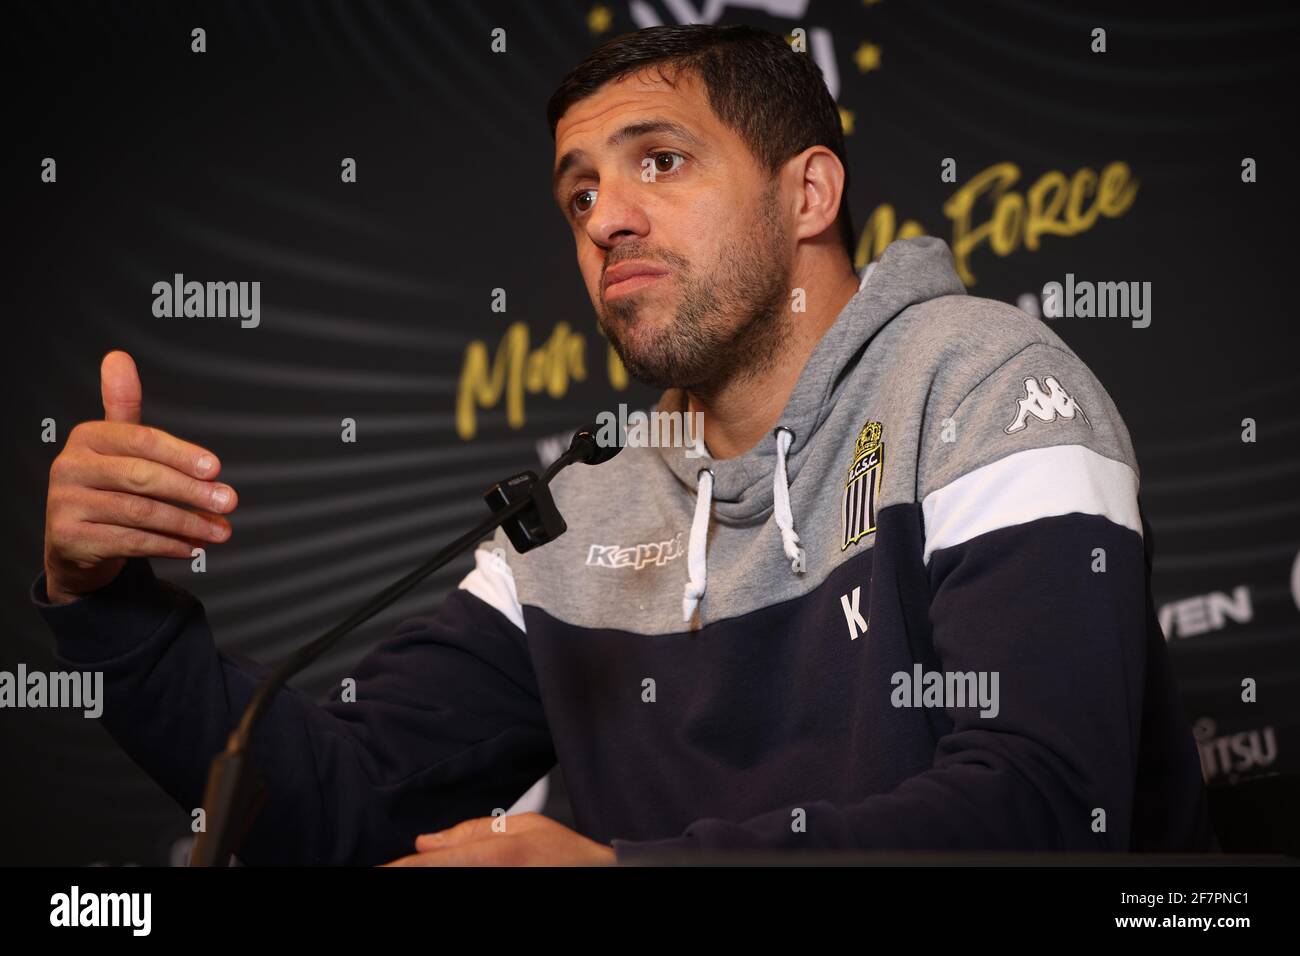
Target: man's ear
{"type": "Point", "coordinates": [820, 177]}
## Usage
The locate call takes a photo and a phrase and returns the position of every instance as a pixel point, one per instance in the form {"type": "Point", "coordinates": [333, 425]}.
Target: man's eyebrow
{"type": "Point", "coordinates": [631, 131]}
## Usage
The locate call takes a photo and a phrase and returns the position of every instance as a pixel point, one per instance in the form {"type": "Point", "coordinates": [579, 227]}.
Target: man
{"type": "Point", "coordinates": [903, 603]}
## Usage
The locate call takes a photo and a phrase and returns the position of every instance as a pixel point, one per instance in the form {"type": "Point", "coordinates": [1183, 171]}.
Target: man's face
{"type": "Point", "coordinates": [648, 177]}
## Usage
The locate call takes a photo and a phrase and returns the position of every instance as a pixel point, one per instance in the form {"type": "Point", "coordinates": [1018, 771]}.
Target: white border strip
{"type": "Point", "coordinates": [1026, 486]}
{"type": "Point", "coordinates": [493, 582]}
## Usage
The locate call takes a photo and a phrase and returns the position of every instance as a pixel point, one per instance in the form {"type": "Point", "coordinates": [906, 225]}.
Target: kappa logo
{"type": "Point", "coordinates": [637, 555]}
{"type": "Point", "coordinates": [862, 486]}
{"type": "Point", "coordinates": [1045, 406]}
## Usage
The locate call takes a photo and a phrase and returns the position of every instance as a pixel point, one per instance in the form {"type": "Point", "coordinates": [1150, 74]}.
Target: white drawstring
{"type": "Point", "coordinates": [696, 564]}
{"type": "Point", "coordinates": [781, 502]}
{"type": "Point", "coordinates": [699, 542]}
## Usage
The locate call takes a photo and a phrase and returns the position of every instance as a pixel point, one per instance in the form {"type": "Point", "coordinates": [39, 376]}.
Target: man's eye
{"type": "Point", "coordinates": [577, 198]}
{"type": "Point", "coordinates": [670, 168]}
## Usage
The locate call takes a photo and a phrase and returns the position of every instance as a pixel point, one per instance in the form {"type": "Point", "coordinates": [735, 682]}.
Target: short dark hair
{"type": "Point", "coordinates": [774, 98]}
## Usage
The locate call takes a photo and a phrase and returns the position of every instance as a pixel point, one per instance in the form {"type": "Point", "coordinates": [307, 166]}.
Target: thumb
{"type": "Point", "coordinates": [119, 384]}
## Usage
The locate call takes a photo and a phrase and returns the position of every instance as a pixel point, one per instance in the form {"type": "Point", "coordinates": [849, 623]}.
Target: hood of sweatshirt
{"type": "Point", "coordinates": [743, 488]}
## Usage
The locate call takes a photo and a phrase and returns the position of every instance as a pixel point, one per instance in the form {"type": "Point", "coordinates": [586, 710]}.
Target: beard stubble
{"type": "Point", "coordinates": [729, 325]}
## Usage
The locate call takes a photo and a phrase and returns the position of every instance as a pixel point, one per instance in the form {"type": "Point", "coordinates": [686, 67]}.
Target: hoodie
{"type": "Point", "coordinates": [917, 615]}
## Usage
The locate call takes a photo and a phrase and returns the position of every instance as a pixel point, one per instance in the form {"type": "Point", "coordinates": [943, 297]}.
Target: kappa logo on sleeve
{"type": "Point", "coordinates": [862, 486]}
{"type": "Point", "coordinates": [1046, 406]}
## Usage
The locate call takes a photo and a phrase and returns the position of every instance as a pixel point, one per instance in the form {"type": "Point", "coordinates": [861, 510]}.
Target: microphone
{"type": "Point", "coordinates": [521, 504]}
{"type": "Point", "coordinates": [540, 521]}
{"type": "Point", "coordinates": [586, 445]}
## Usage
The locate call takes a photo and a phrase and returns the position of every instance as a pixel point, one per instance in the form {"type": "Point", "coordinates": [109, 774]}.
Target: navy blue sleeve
{"type": "Point", "coordinates": [447, 723]}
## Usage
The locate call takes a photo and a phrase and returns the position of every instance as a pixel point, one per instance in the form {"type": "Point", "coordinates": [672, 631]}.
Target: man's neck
{"type": "Point", "coordinates": [742, 412]}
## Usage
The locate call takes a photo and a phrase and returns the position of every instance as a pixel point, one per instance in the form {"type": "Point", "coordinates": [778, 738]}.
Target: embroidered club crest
{"type": "Point", "coordinates": [862, 486]}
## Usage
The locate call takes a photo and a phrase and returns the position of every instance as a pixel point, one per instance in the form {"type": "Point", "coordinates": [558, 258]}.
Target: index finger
{"type": "Point", "coordinates": [154, 444]}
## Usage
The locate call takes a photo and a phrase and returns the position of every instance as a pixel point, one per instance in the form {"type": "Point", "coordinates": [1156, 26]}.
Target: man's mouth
{"type": "Point", "coordinates": [627, 277]}
{"type": "Point", "coordinates": [628, 286]}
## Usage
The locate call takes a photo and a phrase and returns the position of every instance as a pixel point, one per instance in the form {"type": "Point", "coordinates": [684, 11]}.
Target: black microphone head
{"type": "Point", "coordinates": [588, 449]}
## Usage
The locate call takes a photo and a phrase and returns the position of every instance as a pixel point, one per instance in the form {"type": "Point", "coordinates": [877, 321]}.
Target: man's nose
{"type": "Point", "coordinates": [617, 215]}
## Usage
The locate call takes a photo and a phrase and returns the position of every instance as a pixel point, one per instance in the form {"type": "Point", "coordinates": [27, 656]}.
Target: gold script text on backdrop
{"type": "Point", "coordinates": [1054, 205]}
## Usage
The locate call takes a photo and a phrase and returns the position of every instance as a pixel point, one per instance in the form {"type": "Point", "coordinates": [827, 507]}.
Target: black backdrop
{"type": "Point", "coordinates": [225, 166]}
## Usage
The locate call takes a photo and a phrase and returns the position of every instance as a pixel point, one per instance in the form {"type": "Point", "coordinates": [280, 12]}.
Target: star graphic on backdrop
{"type": "Point", "coordinates": [846, 120]}
{"type": "Point", "coordinates": [599, 19]}
{"type": "Point", "coordinates": [867, 57]}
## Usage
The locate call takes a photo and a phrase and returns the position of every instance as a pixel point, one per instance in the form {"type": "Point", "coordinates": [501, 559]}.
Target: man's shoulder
{"type": "Point", "coordinates": [994, 382]}
{"type": "Point", "coordinates": [971, 329]}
